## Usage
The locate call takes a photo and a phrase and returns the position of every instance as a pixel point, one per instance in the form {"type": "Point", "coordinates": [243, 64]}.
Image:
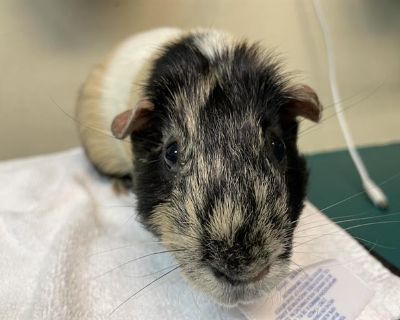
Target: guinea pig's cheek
{"type": "Point", "coordinates": [199, 278]}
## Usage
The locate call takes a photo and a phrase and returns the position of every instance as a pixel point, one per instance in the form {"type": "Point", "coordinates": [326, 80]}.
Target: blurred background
{"type": "Point", "coordinates": [47, 48]}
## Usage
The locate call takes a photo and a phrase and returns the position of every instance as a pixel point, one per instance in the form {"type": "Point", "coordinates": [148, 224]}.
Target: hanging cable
{"type": "Point", "coordinates": [373, 191]}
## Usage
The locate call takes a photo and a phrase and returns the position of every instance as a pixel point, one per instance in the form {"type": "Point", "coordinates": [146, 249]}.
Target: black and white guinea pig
{"type": "Point", "coordinates": [207, 128]}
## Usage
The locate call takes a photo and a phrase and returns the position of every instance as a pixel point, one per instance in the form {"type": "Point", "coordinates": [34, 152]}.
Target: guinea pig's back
{"type": "Point", "coordinates": [111, 88]}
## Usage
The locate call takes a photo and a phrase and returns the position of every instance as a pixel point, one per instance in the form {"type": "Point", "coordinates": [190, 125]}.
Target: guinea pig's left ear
{"type": "Point", "coordinates": [303, 102]}
{"type": "Point", "coordinates": [132, 120]}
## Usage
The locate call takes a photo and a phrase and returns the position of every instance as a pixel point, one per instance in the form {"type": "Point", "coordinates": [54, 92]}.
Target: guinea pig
{"type": "Point", "coordinates": [205, 126]}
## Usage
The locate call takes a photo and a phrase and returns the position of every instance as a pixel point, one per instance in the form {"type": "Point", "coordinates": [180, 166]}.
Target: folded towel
{"type": "Point", "coordinates": [68, 242]}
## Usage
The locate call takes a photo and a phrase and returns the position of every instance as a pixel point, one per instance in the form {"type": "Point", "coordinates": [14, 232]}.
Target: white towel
{"type": "Point", "coordinates": [62, 228]}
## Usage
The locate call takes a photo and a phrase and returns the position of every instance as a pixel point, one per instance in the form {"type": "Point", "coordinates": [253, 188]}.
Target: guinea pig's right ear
{"type": "Point", "coordinates": [132, 120]}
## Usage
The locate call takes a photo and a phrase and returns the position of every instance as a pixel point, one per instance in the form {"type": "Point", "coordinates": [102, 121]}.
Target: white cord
{"type": "Point", "coordinates": [373, 191]}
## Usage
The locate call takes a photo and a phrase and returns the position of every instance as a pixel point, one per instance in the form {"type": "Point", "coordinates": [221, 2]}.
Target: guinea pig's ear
{"type": "Point", "coordinates": [132, 120]}
{"type": "Point", "coordinates": [303, 102]}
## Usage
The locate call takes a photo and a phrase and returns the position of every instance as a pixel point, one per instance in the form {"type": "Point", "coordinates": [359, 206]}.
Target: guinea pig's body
{"type": "Point", "coordinates": [208, 129]}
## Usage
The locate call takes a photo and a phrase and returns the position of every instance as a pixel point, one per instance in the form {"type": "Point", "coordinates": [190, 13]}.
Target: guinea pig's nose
{"type": "Point", "coordinates": [262, 273]}
{"type": "Point", "coordinates": [237, 280]}
{"type": "Point", "coordinates": [222, 275]}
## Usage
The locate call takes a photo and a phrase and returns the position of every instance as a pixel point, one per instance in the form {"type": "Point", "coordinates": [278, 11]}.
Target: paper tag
{"type": "Point", "coordinates": [322, 291]}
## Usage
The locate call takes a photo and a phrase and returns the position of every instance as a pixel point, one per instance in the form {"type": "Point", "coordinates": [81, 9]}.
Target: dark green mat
{"type": "Point", "coordinates": [334, 178]}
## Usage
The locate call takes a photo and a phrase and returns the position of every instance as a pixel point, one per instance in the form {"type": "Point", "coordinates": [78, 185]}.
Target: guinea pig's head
{"type": "Point", "coordinates": [217, 173]}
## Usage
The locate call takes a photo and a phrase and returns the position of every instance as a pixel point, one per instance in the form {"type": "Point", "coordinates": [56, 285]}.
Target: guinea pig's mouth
{"type": "Point", "coordinates": [230, 292]}
{"type": "Point", "coordinates": [231, 295]}
{"type": "Point", "coordinates": [242, 294]}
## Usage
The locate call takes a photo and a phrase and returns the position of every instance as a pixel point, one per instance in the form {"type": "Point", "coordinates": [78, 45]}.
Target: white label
{"type": "Point", "coordinates": [322, 291]}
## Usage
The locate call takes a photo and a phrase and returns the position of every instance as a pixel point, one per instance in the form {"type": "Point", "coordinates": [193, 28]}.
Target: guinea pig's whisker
{"type": "Point", "coordinates": [350, 220]}
{"type": "Point", "coordinates": [314, 212]}
{"type": "Point", "coordinates": [319, 254]}
{"type": "Point", "coordinates": [135, 259]}
{"type": "Point", "coordinates": [153, 273]}
{"type": "Point", "coordinates": [133, 215]}
{"type": "Point", "coordinates": [122, 247]}
{"type": "Point", "coordinates": [351, 261]}
{"type": "Point", "coordinates": [350, 106]}
{"type": "Point", "coordinates": [98, 130]}
{"type": "Point", "coordinates": [347, 262]}
{"type": "Point", "coordinates": [330, 116]}
{"type": "Point", "coordinates": [376, 244]}
{"type": "Point", "coordinates": [143, 288]}
{"type": "Point", "coordinates": [370, 224]}
{"type": "Point", "coordinates": [362, 94]}
{"type": "Point", "coordinates": [299, 267]}
{"type": "Point", "coordinates": [396, 175]}
{"type": "Point", "coordinates": [335, 218]}
{"type": "Point", "coordinates": [348, 228]}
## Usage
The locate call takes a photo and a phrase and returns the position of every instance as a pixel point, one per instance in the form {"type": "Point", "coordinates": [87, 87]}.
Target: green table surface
{"type": "Point", "coordinates": [334, 183]}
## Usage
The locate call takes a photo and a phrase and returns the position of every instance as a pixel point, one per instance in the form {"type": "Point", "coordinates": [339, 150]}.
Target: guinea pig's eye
{"type": "Point", "coordinates": [171, 155]}
{"type": "Point", "coordinates": [279, 149]}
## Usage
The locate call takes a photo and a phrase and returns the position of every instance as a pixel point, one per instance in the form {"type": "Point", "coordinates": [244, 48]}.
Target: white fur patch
{"type": "Point", "coordinates": [125, 65]}
{"type": "Point", "coordinates": [212, 43]}
{"type": "Point", "coordinates": [119, 87]}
